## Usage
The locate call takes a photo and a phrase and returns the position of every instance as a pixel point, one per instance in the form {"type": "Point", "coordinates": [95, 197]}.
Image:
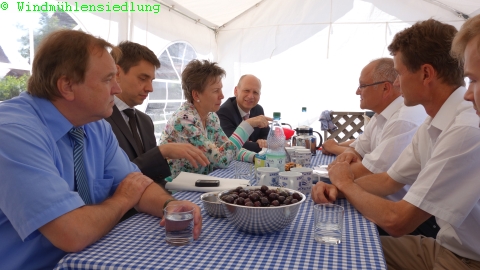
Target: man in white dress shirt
{"type": "Point", "coordinates": [441, 164]}
{"type": "Point", "coordinates": [391, 128]}
{"type": "Point", "coordinates": [389, 131]}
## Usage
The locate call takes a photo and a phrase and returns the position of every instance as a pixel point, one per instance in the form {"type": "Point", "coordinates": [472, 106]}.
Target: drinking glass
{"type": "Point", "coordinates": [328, 223]}
{"type": "Point", "coordinates": [178, 225]}
{"type": "Point", "coordinates": [244, 170]}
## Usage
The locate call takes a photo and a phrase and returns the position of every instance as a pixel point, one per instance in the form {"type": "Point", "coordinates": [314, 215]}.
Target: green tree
{"type": "Point", "coordinates": [11, 86]}
{"type": "Point", "coordinates": [49, 22]}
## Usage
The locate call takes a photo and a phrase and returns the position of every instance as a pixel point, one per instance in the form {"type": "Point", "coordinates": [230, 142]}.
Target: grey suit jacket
{"type": "Point", "coordinates": [151, 163]}
{"type": "Point", "coordinates": [230, 118]}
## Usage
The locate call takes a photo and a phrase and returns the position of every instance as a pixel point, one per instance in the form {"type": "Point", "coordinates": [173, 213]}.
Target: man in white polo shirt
{"type": "Point", "coordinates": [441, 164]}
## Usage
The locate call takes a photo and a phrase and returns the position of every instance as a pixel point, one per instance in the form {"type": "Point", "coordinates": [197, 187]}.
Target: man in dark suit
{"type": "Point", "coordinates": [242, 106]}
{"type": "Point", "coordinates": [135, 73]}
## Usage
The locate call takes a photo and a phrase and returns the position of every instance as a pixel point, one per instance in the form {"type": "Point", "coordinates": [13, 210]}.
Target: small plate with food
{"type": "Point", "coordinates": [290, 165]}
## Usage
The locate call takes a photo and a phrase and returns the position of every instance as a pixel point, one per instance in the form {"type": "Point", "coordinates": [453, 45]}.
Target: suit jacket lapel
{"type": "Point", "coordinates": [145, 129]}
{"type": "Point", "coordinates": [117, 118]}
{"type": "Point", "coordinates": [236, 116]}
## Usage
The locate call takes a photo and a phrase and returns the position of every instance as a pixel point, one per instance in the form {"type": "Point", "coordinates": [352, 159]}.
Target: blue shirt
{"type": "Point", "coordinates": [37, 176]}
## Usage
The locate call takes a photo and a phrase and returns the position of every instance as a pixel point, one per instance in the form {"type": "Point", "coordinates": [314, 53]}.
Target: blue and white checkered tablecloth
{"type": "Point", "coordinates": [139, 243]}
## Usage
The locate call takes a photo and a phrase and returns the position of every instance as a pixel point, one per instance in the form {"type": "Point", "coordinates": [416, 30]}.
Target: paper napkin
{"type": "Point", "coordinates": [186, 181]}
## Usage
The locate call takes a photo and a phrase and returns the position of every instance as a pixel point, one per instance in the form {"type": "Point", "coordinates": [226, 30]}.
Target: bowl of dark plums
{"type": "Point", "coordinates": [261, 209]}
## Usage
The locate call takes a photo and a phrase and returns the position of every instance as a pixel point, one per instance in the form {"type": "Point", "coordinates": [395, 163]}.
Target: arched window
{"type": "Point", "coordinates": [167, 95]}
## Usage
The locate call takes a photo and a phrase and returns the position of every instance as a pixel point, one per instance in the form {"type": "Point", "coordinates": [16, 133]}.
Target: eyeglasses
{"type": "Point", "coordinates": [375, 83]}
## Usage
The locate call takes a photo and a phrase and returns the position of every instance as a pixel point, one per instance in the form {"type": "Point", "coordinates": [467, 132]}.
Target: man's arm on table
{"type": "Point", "coordinates": [379, 184]}
{"type": "Point", "coordinates": [83, 226]}
{"type": "Point", "coordinates": [75, 230]}
{"type": "Point", "coordinates": [396, 218]}
{"type": "Point", "coordinates": [359, 170]}
{"type": "Point", "coordinates": [355, 160]}
{"type": "Point", "coordinates": [331, 147]}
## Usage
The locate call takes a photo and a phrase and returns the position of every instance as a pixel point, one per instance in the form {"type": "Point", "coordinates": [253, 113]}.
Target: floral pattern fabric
{"type": "Point", "coordinates": [185, 126]}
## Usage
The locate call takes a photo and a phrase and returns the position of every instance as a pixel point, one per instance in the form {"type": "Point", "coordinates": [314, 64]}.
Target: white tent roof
{"type": "Point", "coordinates": [215, 13]}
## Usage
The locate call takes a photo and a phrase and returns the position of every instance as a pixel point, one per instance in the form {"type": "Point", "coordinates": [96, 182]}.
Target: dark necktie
{"type": "Point", "coordinates": [78, 165]}
{"type": "Point", "coordinates": [246, 116]}
{"type": "Point", "coordinates": [132, 121]}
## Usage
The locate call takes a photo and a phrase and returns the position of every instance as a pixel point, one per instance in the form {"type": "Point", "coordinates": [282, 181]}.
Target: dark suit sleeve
{"type": "Point", "coordinates": [226, 121]}
{"type": "Point", "coordinates": [252, 146]}
{"type": "Point", "coordinates": [153, 164]}
{"type": "Point", "coordinates": [259, 133]}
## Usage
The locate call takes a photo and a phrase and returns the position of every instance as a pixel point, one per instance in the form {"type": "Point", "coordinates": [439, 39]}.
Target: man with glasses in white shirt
{"type": "Point", "coordinates": [389, 131]}
{"type": "Point", "coordinates": [391, 128]}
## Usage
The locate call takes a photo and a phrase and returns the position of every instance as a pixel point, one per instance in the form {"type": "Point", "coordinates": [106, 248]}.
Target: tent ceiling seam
{"type": "Point", "coordinates": [276, 41]}
{"type": "Point", "coordinates": [197, 21]}
{"type": "Point", "coordinates": [337, 23]}
{"type": "Point", "coordinates": [329, 29]}
{"type": "Point", "coordinates": [449, 8]}
{"type": "Point", "coordinates": [241, 14]}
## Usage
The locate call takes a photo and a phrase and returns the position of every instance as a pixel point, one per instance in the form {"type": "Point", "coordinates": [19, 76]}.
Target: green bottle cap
{"type": "Point", "coordinates": [304, 109]}
{"type": "Point", "coordinates": [276, 115]}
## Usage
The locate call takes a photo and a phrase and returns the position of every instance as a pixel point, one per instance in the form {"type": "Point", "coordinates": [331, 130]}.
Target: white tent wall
{"type": "Point", "coordinates": [154, 30]}
{"type": "Point", "coordinates": [310, 53]}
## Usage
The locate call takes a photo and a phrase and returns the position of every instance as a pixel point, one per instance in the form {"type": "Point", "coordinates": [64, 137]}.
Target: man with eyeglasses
{"type": "Point", "coordinates": [378, 93]}
{"type": "Point", "coordinates": [389, 131]}
{"type": "Point", "coordinates": [391, 128]}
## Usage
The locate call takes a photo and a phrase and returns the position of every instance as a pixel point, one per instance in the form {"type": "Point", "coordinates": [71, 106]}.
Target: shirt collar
{"type": "Point", "coordinates": [242, 113]}
{"type": "Point", "coordinates": [54, 119]}
{"type": "Point", "coordinates": [392, 108]}
{"type": "Point", "coordinates": [121, 105]}
{"type": "Point", "coordinates": [445, 115]}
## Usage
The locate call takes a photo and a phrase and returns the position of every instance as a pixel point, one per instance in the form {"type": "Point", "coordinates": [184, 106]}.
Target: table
{"type": "Point", "coordinates": [139, 243]}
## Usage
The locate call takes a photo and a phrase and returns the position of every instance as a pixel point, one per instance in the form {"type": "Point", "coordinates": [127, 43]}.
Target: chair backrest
{"type": "Point", "coordinates": [350, 126]}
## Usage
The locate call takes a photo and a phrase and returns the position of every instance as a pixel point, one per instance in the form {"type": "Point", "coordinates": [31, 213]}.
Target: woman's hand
{"type": "Point", "coordinates": [260, 121]}
{"type": "Point", "coordinates": [184, 150]}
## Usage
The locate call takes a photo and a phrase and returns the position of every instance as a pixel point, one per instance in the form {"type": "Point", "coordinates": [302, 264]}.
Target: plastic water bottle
{"type": "Point", "coordinates": [276, 154]}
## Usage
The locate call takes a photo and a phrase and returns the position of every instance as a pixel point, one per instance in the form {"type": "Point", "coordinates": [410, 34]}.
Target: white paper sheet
{"type": "Point", "coordinates": [321, 171]}
{"type": "Point", "coordinates": [186, 181]}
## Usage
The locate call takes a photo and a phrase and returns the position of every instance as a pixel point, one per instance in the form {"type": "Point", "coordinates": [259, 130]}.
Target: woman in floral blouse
{"type": "Point", "coordinates": [197, 123]}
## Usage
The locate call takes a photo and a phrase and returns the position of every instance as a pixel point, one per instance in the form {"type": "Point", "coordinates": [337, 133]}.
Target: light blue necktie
{"type": "Point", "coordinates": [77, 135]}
